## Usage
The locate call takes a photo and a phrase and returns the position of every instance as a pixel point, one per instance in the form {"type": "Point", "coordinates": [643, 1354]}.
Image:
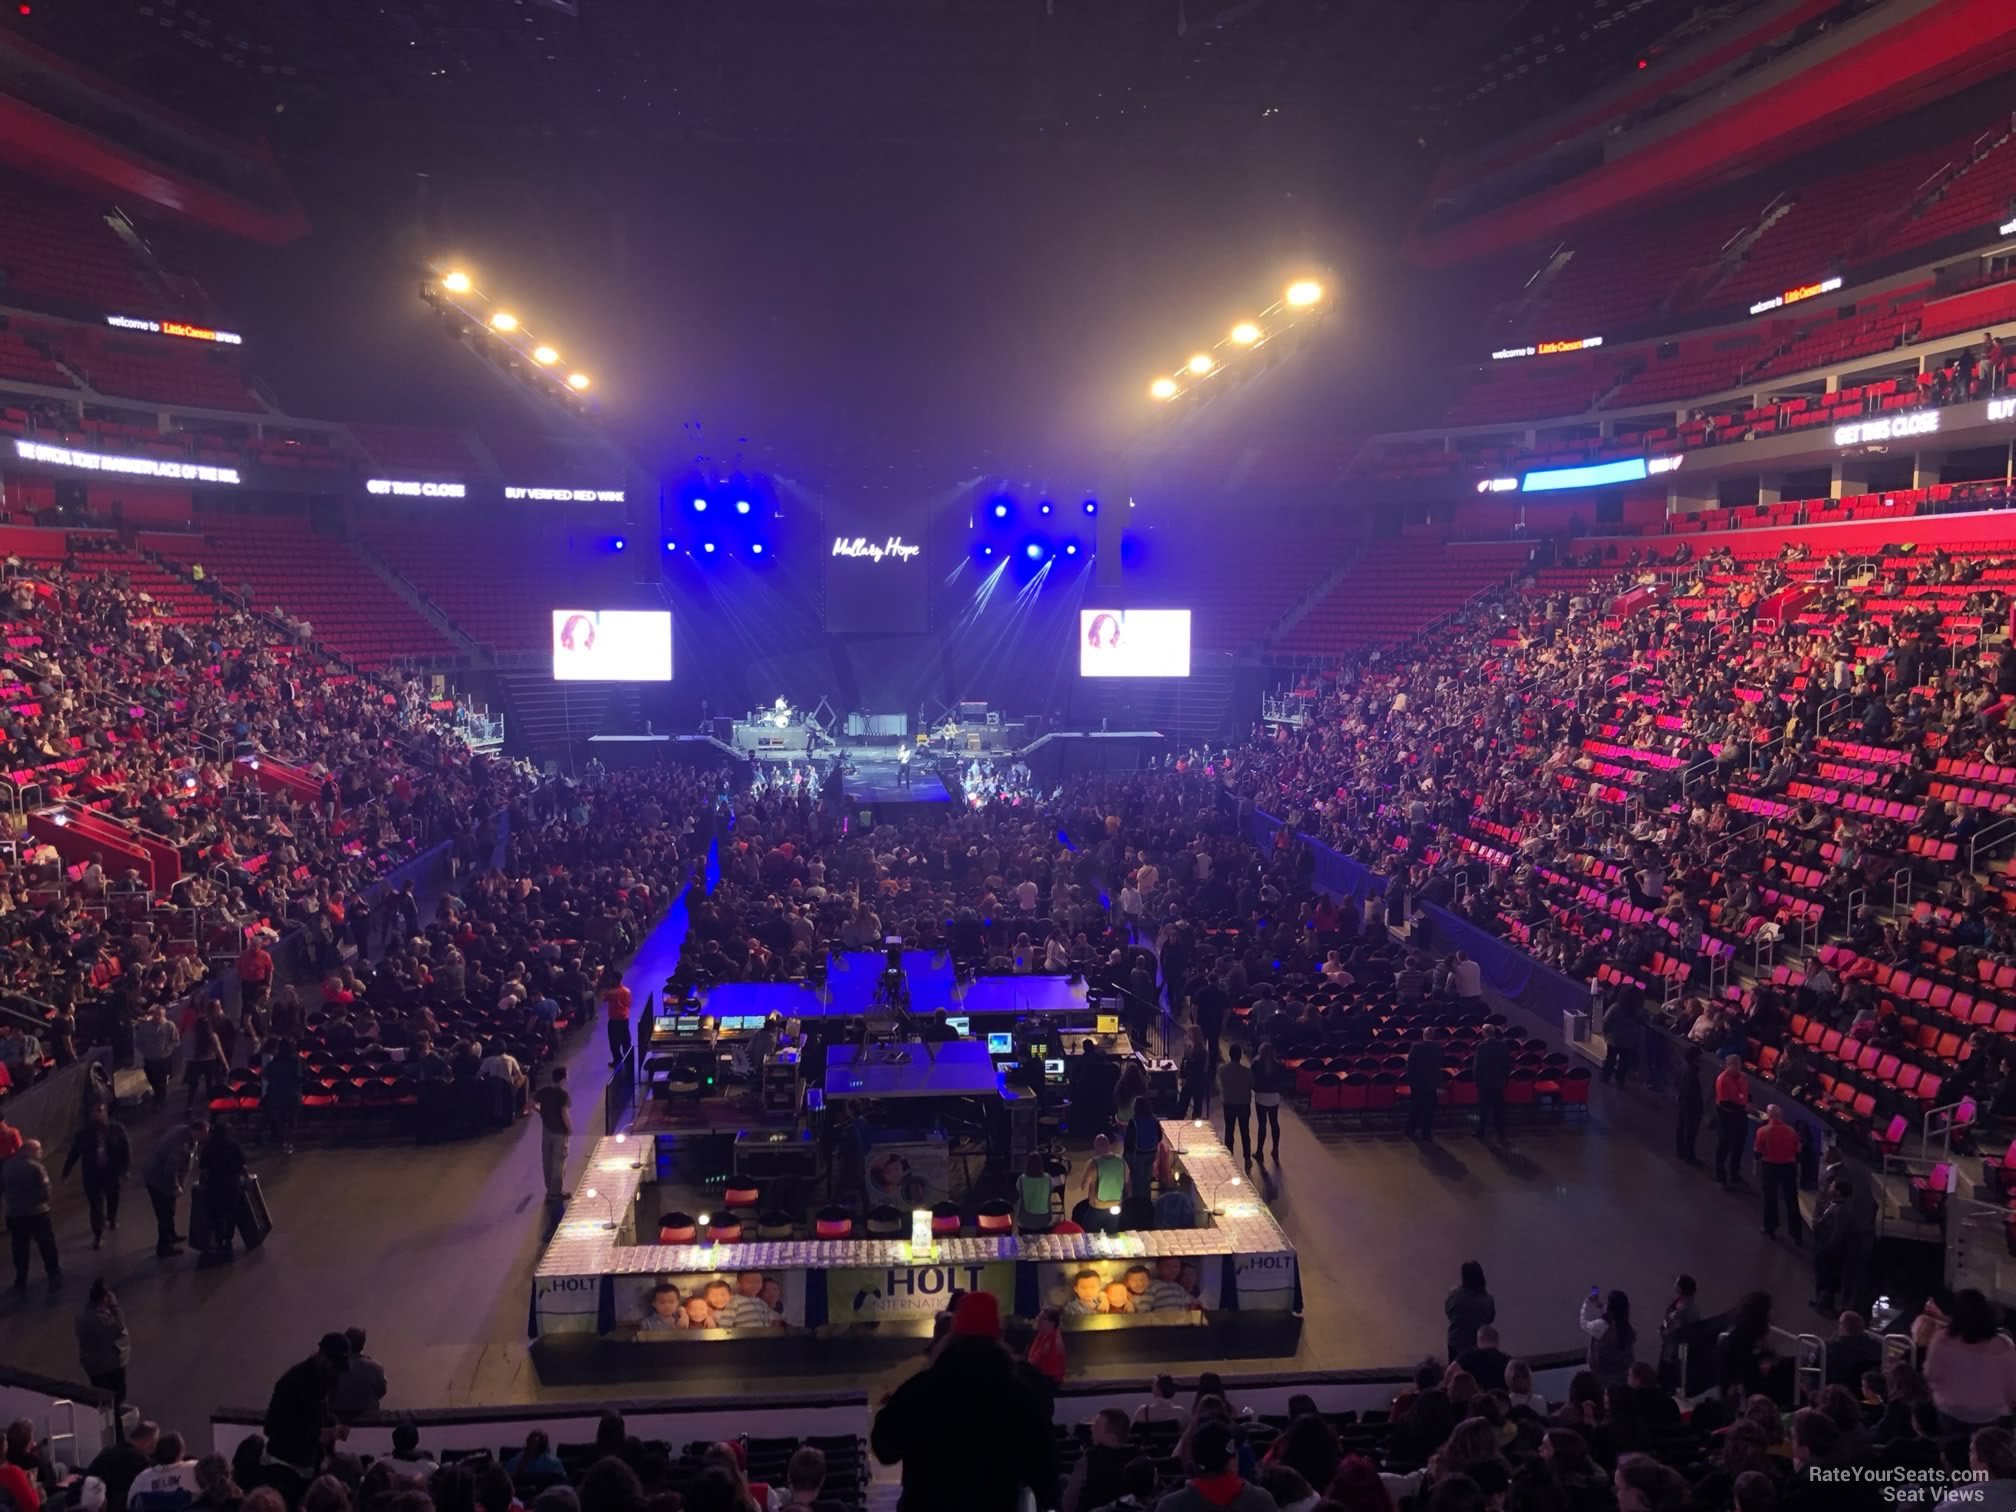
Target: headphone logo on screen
{"type": "Point", "coordinates": [861, 546]}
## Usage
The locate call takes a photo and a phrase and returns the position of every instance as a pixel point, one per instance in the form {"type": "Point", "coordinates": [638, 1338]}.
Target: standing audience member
{"type": "Point", "coordinates": [100, 1146]}
{"type": "Point", "coordinates": [103, 1346]}
{"type": "Point", "coordinates": [967, 1430]}
{"type": "Point", "coordinates": [1271, 1082]}
{"type": "Point", "coordinates": [1613, 1342]}
{"type": "Point", "coordinates": [1468, 1307]}
{"type": "Point", "coordinates": [1491, 1068]}
{"type": "Point", "coordinates": [1235, 1096]}
{"type": "Point", "coordinates": [1424, 1083]}
{"type": "Point", "coordinates": [361, 1387]}
{"type": "Point", "coordinates": [1971, 1366]}
{"type": "Point", "coordinates": [1732, 1120]}
{"type": "Point", "coordinates": [1688, 1112]}
{"type": "Point", "coordinates": [1778, 1173]}
{"type": "Point", "coordinates": [24, 1195]}
{"type": "Point", "coordinates": [166, 1176]}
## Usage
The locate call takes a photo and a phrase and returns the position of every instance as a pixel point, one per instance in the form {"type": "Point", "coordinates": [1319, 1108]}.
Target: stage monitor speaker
{"type": "Point", "coordinates": [724, 729]}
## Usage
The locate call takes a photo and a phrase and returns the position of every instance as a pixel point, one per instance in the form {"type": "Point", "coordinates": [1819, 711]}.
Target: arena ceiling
{"type": "Point", "coordinates": [1155, 75]}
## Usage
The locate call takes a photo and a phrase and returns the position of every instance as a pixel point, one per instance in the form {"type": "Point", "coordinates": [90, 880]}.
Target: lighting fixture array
{"type": "Point", "coordinates": [1300, 299]}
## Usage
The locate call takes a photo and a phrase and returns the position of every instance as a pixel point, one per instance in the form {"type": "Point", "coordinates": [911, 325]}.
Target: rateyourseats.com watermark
{"type": "Point", "coordinates": [1921, 1488]}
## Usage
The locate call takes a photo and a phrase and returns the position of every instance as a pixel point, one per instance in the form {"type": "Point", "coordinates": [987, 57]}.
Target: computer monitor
{"type": "Point", "coordinates": [1106, 1023]}
{"type": "Point", "coordinates": [1053, 1070]}
{"type": "Point", "coordinates": [1001, 1042]}
{"type": "Point", "coordinates": [686, 1023]}
{"type": "Point", "coordinates": [959, 1023]}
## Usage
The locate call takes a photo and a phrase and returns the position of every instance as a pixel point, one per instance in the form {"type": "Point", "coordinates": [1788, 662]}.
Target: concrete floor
{"type": "Point", "coordinates": [432, 1249]}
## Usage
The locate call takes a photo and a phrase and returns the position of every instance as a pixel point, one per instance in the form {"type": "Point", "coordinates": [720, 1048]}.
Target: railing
{"type": "Point", "coordinates": [1999, 833]}
{"type": "Point", "coordinates": [622, 1094]}
{"type": "Point", "coordinates": [1900, 889]}
{"type": "Point", "coordinates": [1834, 706]}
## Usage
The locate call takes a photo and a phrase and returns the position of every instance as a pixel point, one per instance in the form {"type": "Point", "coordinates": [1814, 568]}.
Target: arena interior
{"type": "Point", "coordinates": [984, 754]}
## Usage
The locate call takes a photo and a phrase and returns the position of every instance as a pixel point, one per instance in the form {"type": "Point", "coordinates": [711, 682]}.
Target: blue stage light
{"type": "Point", "coordinates": [619, 543]}
{"type": "Point", "coordinates": [1091, 506]}
{"type": "Point", "coordinates": [756, 548]}
{"type": "Point", "coordinates": [1044, 507]}
{"type": "Point", "coordinates": [1000, 511]}
{"type": "Point", "coordinates": [986, 551]}
{"type": "Point", "coordinates": [670, 544]}
{"type": "Point", "coordinates": [741, 506]}
{"type": "Point", "coordinates": [699, 506]}
{"type": "Point", "coordinates": [1033, 551]}
{"type": "Point", "coordinates": [1071, 549]}
{"type": "Point", "coordinates": [708, 547]}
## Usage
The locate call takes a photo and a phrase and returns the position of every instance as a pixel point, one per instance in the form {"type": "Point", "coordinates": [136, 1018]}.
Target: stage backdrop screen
{"type": "Point", "coordinates": [612, 645]}
{"type": "Point", "coordinates": [1133, 642]}
{"type": "Point", "coordinates": [876, 581]}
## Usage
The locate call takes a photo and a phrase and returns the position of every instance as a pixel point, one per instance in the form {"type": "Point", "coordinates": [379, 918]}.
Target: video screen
{"type": "Point", "coordinates": [1001, 1043]}
{"type": "Point", "coordinates": [1133, 642]}
{"type": "Point", "coordinates": [612, 645]}
{"type": "Point", "coordinates": [876, 579]}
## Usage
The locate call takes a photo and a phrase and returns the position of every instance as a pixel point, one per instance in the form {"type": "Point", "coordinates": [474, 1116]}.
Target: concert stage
{"type": "Point", "coordinates": [850, 984]}
{"type": "Point", "coordinates": [875, 781]}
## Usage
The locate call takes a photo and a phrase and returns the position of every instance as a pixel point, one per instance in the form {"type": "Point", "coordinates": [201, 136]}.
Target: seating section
{"type": "Point", "coordinates": [57, 250]}
{"type": "Point", "coordinates": [24, 359]}
{"type": "Point", "coordinates": [1625, 269]}
{"type": "Point", "coordinates": [1558, 385]}
{"type": "Point", "coordinates": [532, 461]}
{"type": "Point", "coordinates": [1810, 241]}
{"type": "Point", "coordinates": [1396, 590]}
{"type": "Point", "coordinates": [408, 451]}
{"type": "Point", "coordinates": [1877, 325]}
{"type": "Point", "coordinates": [1977, 199]}
{"type": "Point", "coordinates": [1239, 584]}
{"type": "Point", "coordinates": [165, 369]}
{"type": "Point", "coordinates": [499, 583]}
{"type": "Point", "coordinates": [314, 578]}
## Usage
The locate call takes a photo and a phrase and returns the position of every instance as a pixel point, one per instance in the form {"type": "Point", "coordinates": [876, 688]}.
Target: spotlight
{"type": "Point", "coordinates": [708, 547]}
{"type": "Point", "coordinates": [986, 551]}
{"type": "Point", "coordinates": [670, 544]}
{"type": "Point", "coordinates": [619, 543]}
{"type": "Point", "coordinates": [1245, 333]}
{"type": "Point", "coordinates": [756, 548]}
{"type": "Point", "coordinates": [503, 320]}
{"type": "Point", "coordinates": [1071, 549]}
{"type": "Point", "coordinates": [456, 282]}
{"type": "Point", "coordinates": [545, 356]}
{"type": "Point", "coordinates": [1000, 511]}
{"type": "Point", "coordinates": [1202, 363]}
{"type": "Point", "coordinates": [577, 382]}
{"type": "Point", "coordinates": [1044, 507]}
{"type": "Point", "coordinates": [1033, 551]}
{"type": "Point", "coordinates": [1304, 292]}
{"type": "Point", "coordinates": [741, 506]}
{"type": "Point", "coordinates": [1163, 388]}
{"type": "Point", "coordinates": [699, 506]}
{"type": "Point", "coordinates": [1091, 506]}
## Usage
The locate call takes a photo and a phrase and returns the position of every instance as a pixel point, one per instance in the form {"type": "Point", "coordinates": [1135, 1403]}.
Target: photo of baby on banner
{"type": "Point", "coordinates": [739, 1301]}
{"type": "Point", "coordinates": [1103, 1288]}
